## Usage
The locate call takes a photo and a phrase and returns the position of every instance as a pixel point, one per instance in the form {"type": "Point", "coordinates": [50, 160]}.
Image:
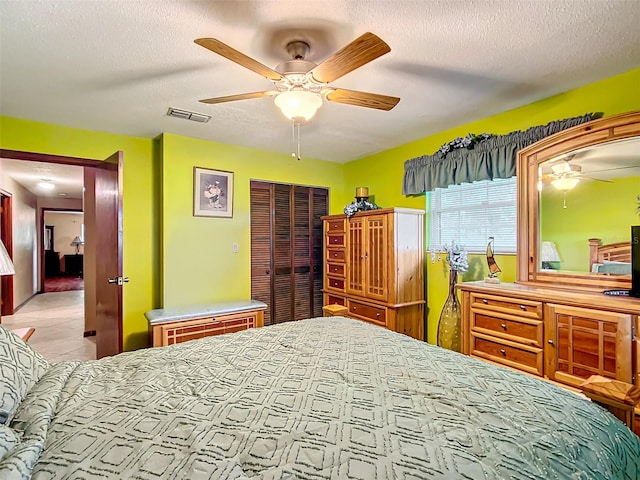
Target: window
{"type": "Point", "coordinates": [470, 213]}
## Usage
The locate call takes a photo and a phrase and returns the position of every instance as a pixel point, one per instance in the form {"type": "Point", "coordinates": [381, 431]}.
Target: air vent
{"type": "Point", "coordinates": [193, 116]}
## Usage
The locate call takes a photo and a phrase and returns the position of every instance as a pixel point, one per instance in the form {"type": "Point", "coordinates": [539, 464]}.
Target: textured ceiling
{"type": "Point", "coordinates": [117, 66]}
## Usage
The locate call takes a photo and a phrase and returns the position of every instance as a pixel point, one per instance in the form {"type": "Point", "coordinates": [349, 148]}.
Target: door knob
{"type": "Point", "coordinates": [118, 280]}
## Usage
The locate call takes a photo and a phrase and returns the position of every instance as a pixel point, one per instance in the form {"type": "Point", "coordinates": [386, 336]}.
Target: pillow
{"type": "Point", "coordinates": [20, 369]}
{"type": "Point", "coordinates": [8, 439]}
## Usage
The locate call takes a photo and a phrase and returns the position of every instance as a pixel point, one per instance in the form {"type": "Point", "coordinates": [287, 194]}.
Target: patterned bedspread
{"type": "Point", "coordinates": [315, 399]}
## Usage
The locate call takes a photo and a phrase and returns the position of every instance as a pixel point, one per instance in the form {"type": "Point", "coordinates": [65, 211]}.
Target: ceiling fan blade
{"type": "Point", "coordinates": [362, 99]}
{"type": "Point", "coordinates": [241, 96]}
{"type": "Point", "coordinates": [362, 50]}
{"type": "Point", "coordinates": [612, 169]}
{"type": "Point", "coordinates": [216, 46]}
{"type": "Point", "coordinates": [597, 179]}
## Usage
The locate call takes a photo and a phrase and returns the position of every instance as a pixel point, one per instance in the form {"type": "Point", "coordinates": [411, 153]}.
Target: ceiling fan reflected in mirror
{"type": "Point", "coordinates": [300, 85]}
{"type": "Point", "coordinates": [565, 175]}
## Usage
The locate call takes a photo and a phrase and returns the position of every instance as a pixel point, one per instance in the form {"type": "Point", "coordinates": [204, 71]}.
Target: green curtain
{"type": "Point", "coordinates": [492, 158]}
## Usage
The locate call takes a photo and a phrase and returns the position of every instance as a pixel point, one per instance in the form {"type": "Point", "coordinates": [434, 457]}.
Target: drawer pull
{"type": "Point", "coordinates": [378, 315]}
{"type": "Point", "coordinates": [550, 342]}
{"type": "Point", "coordinates": [504, 326]}
{"type": "Point", "coordinates": [503, 352]}
{"type": "Point", "coordinates": [354, 309]}
{"type": "Point", "coordinates": [335, 254]}
{"type": "Point", "coordinates": [522, 307]}
{"type": "Point", "coordinates": [485, 301]}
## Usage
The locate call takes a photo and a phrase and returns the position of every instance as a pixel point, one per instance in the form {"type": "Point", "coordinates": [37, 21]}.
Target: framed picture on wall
{"type": "Point", "coordinates": [212, 193]}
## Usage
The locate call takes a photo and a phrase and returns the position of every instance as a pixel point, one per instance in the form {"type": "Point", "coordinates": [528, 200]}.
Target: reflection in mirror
{"type": "Point", "coordinates": [590, 193]}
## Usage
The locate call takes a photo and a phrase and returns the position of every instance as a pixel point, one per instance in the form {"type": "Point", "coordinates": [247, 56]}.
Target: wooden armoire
{"type": "Point", "coordinates": [286, 249]}
{"type": "Point", "coordinates": [374, 265]}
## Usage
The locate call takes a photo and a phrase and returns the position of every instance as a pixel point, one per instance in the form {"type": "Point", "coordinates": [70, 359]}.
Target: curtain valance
{"type": "Point", "coordinates": [494, 157]}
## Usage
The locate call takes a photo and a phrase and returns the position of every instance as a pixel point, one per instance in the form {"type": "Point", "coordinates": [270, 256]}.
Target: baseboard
{"type": "Point", "coordinates": [90, 333]}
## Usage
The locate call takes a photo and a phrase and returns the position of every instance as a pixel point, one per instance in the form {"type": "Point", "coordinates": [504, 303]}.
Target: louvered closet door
{"type": "Point", "coordinates": [301, 254]}
{"type": "Point", "coordinates": [283, 255]}
{"type": "Point", "coordinates": [261, 226]}
{"type": "Point", "coordinates": [291, 254]}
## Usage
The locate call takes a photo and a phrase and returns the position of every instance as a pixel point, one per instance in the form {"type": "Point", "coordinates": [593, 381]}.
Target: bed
{"type": "Point", "coordinates": [611, 258]}
{"type": "Point", "coordinates": [313, 399]}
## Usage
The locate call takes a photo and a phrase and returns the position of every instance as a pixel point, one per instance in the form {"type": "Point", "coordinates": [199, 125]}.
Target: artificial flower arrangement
{"type": "Point", "coordinates": [456, 257]}
{"type": "Point", "coordinates": [467, 141]}
{"type": "Point", "coordinates": [359, 205]}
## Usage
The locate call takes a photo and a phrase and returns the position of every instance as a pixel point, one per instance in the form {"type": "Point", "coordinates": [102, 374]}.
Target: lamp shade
{"type": "Point", "coordinates": [566, 183]}
{"type": "Point", "coordinates": [549, 252]}
{"type": "Point", "coordinates": [6, 265]}
{"type": "Point", "coordinates": [300, 104]}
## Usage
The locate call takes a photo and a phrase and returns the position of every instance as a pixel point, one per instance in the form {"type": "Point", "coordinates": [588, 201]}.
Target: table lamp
{"type": "Point", "coordinates": [6, 265]}
{"type": "Point", "coordinates": [76, 243]}
{"type": "Point", "coordinates": [548, 254]}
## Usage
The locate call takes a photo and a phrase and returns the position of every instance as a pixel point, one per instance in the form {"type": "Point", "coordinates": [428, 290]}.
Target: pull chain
{"type": "Point", "coordinates": [296, 141]}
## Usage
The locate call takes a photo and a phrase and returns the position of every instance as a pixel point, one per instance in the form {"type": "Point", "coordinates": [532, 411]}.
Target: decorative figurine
{"type": "Point", "coordinates": [494, 269]}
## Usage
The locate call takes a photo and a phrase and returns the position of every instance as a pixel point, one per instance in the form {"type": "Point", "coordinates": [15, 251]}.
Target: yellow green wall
{"type": "Point", "coordinates": [171, 257]}
{"type": "Point", "coordinates": [174, 258]}
{"type": "Point", "coordinates": [593, 210]}
{"type": "Point", "coordinates": [198, 262]}
{"type": "Point", "coordinates": [383, 172]}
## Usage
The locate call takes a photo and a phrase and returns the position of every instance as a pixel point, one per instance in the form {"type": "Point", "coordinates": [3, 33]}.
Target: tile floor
{"type": "Point", "coordinates": [58, 318]}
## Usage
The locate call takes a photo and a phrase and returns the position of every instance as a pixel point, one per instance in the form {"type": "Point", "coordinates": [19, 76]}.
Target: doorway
{"type": "Point", "coordinates": [104, 197]}
{"type": "Point", "coordinates": [62, 250]}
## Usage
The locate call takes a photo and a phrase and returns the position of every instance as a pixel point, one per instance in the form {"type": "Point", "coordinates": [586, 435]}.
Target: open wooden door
{"type": "Point", "coordinates": [6, 235]}
{"type": "Point", "coordinates": [109, 279]}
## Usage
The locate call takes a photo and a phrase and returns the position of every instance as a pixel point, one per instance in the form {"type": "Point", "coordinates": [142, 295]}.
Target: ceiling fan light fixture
{"type": "Point", "coordinates": [565, 183]}
{"type": "Point", "coordinates": [298, 104]}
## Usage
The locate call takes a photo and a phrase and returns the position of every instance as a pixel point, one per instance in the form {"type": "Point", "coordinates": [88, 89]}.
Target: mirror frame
{"type": "Point", "coordinates": [599, 131]}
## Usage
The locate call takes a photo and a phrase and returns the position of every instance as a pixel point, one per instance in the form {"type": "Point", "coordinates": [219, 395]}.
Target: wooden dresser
{"type": "Point", "coordinates": [559, 334]}
{"type": "Point", "coordinates": [374, 266]}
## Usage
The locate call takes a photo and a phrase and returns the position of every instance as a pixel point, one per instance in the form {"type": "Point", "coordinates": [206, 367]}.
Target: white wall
{"type": "Point", "coordinates": [24, 240]}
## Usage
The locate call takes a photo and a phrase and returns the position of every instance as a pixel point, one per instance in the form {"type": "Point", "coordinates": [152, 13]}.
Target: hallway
{"type": "Point", "coordinates": [58, 318]}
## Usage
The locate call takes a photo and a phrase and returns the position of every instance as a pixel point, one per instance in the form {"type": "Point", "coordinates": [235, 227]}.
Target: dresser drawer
{"type": "Point", "coordinates": [335, 269]}
{"type": "Point", "coordinates": [336, 254]}
{"type": "Point", "coordinates": [183, 331]}
{"type": "Point", "coordinates": [529, 332]}
{"type": "Point", "coordinates": [333, 300]}
{"type": "Point", "coordinates": [335, 226]}
{"type": "Point", "coordinates": [335, 283]}
{"type": "Point", "coordinates": [370, 313]}
{"type": "Point", "coordinates": [514, 306]}
{"type": "Point", "coordinates": [524, 358]}
{"type": "Point", "coordinates": [335, 240]}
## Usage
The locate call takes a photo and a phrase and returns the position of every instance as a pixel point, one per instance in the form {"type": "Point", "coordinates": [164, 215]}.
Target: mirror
{"type": "Point", "coordinates": [577, 199]}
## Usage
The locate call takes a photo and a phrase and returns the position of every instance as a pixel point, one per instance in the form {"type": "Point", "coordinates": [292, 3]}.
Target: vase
{"type": "Point", "coordinates": [449, 323]}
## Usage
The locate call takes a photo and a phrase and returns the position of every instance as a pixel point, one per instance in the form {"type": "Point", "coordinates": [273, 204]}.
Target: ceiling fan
{"type": "Point", "coordinates": [300, 85]}
{"type": "Point", "coordinates": [565, 175]}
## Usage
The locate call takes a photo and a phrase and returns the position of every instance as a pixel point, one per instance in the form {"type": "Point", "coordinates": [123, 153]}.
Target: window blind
{"type": "Point", "coordinates": [470, 213]}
